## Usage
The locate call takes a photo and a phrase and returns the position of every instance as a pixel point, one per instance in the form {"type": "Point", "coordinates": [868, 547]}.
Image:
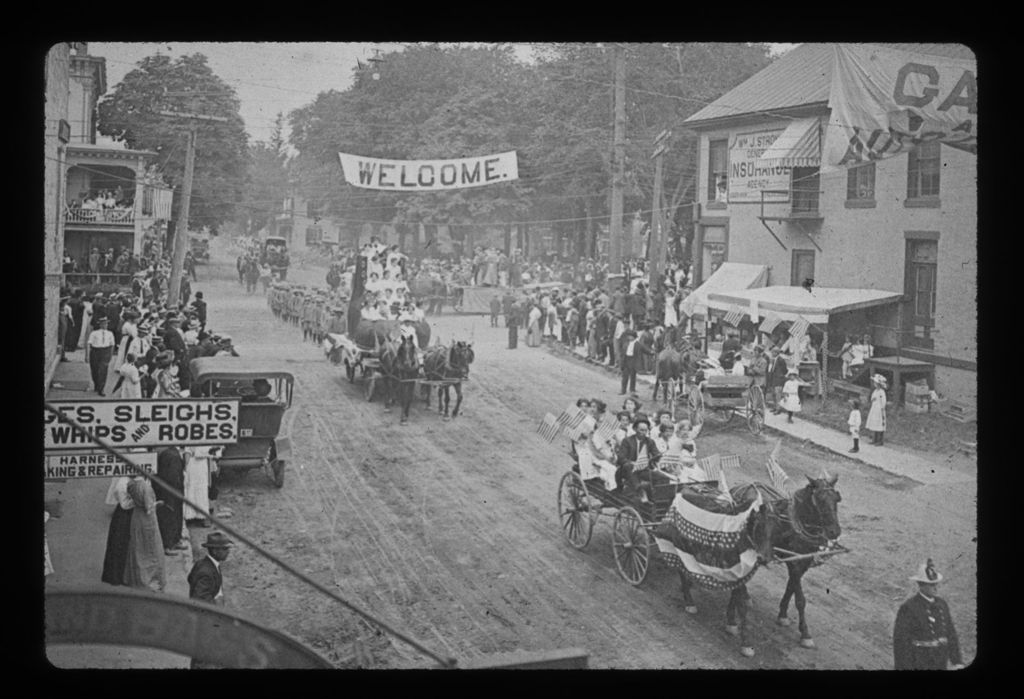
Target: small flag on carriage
{"type": "Point", "coordinates": [712, 467]}
{"type": "Point", "coordinates": [670, 462]}
{"type": "Point", "coordinates": [770, 322]}
{"type": "Point", "coordinates": [642, 462]}
{"type": "Point", "coordinates": [571, 418]}
{"type": "Point", "coordinates": [607, 428]}
{"type": "Point", "coordinates": [548, 428]}
{"type": "Point", "coordinates": [799, 327]}
{"type": "Point", "coordinates": [734, 316]}
{"type": "Point", "coordinates": [777, 476]}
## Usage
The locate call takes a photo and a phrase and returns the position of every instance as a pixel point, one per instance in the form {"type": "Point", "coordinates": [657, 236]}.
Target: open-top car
{"type": "Point", "coordinates": [265, 390]}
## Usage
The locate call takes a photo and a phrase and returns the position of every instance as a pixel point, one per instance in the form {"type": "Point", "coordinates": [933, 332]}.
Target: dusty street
{"type": "Point", "coordinates": [450, 532]}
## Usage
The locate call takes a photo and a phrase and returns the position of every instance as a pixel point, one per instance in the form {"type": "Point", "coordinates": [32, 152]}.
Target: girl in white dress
{"type": "Point", "coordinates": [791, 394]}
{"type": "Point", "coordinates": [876, 415]}
{"type": "Point", "coordinates": [197, 480]}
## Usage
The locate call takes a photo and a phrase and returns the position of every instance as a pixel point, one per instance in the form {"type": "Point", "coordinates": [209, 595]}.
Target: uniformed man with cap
{"type": "Point", "coordinates": [339, 323]}
{"type": "Point", "coordinates": [924, 637]}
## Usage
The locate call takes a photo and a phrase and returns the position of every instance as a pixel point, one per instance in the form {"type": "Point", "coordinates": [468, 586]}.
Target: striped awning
{"type": "Point", "coordinates": [734, 316]}
{"type": "Point", "coordinates": [770, 322]}
{"type": "Point", "coordinates": [798, 146]}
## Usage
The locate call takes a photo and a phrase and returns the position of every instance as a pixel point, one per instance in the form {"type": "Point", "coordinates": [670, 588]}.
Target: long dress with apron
{"type": "Point", "coordinates": [146, 568]}
{"type": "Point", "coordinates": [533, 328]}
{"type": "Point", "coordinates": [197, 481]}
{"type": "Point", "coordinates": [876, 415]}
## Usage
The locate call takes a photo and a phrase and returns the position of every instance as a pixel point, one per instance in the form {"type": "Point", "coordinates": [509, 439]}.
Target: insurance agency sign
{"type": "Point", "coordinates": [748, 176]}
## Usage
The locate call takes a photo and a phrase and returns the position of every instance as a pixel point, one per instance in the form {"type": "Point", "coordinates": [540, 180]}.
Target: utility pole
{"type": "Point", "coordinates": [656, 248]}
{"type": "Point", "coordinates": [181, 228]}
{"type": "Point", "coordinates": [616, 252]}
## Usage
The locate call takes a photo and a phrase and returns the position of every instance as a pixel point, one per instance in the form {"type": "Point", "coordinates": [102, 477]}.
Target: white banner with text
{"type": "Point", "coordinates": [429, 175]}
{"type": "Point", "coordinates": [749, 176]}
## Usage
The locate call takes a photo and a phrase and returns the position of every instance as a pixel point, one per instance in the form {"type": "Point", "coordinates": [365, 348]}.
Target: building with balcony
{"type": "Point", "coordinates": [142, 203]}
{"type": "Point", "coordinates": [905, 224]}
{"type": "Point", "coordinates": [57, 135]}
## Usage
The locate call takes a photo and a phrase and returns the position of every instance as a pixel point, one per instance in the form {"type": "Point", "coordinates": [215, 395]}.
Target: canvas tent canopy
{"type": "Point", "coordinates": [791, 303]}
{"type": "Point", "coordinates": [730, 277]}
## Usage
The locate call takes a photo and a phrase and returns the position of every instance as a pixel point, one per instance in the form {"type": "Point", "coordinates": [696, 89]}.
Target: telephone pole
{"type": "Point", "coordinates": [181, 229]}
{"type": "Point", "coordinates": [656, 248]}
{"type": "Point", "coordinates": [616, 252]}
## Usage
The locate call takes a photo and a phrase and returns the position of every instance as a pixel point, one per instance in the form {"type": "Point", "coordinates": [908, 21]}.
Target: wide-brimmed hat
{"type": "Point", "coordinates": [143, 328]}
{"type": "Point", "coordinates": [926, 573]}
{"type": "Point", "coordinates": [793, 372]}
{"type": "Point", "coordinates": [103, 319]}
{"type": "Point", "coordinates": [217, 540]}
{"type": "Point", "coordinates": [880, 380]}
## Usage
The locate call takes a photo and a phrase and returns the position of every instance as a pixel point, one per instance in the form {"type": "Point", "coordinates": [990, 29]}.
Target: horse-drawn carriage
{"type": "Point", "coordinates": [726, 396]}
{"type": "Point", "coordinates": [714, 540]}
{"type": "Point", "coordinates": [363, 362]}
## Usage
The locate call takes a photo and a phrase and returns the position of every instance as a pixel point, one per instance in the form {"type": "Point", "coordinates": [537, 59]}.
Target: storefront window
{"type": "Point", "coordinates": [923, 168]}
{"type": "Point", "coordinates": [718, 171]}
{"type": "Point", "coordinates": [860, 182]}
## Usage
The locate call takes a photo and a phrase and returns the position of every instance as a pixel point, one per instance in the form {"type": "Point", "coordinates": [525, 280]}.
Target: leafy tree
{"type": "Point", "coordinates": [267, 184]}
{"type": "Point", "coordinates": [131, 114]}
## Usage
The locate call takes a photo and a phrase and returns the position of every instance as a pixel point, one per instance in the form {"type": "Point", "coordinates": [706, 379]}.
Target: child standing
{"type": "Point", "coordinates": [854, 422]}
{"type": "Point", "coordinates": [791, 394]}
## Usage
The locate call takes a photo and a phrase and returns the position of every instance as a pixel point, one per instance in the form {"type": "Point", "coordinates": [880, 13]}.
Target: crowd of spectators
{"type": "Point", "coordinates": [102, 199]}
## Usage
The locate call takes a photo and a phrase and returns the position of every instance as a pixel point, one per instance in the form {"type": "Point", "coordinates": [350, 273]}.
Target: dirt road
{"type": "Point", "coordinates": [449, 530]}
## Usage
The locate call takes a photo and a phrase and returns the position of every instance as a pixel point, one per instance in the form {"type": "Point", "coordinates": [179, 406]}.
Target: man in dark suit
{"type": "Point", "coordinates": [631, 353]}
{"type": "Point", "coordinates": [924, 637]}
{"type": "Point", "coordinates": [200, 305]}
{"type": "Point", "coordinates": [170, 468]}
{"type": "Point", "coordinates": [632, 449]}
{"type": "Point", "coordinates": [512, 319]}
{"type": "Point", "coordinates": [114, 314]}
{"type": "Point", "coordinates": [601, 331]}
{"type": "Point", "coordinates": [205, 580]}
{"type": "Point", "coordinates": [777, 370]}
{"type": "Point", "coordinates": [99, 309]}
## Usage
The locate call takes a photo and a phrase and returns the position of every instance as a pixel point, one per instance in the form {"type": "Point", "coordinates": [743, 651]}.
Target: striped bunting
{"type": "Point", "coordinates": [799, 327]}
{"type": "Point", "coordinates": [777, 476]}
{"type": "Point", "coordinates": [548, 428]}
{"type": "Point", "coordinates": [734, 316]}
{"type": "Point", "coordinates": [770, 322]}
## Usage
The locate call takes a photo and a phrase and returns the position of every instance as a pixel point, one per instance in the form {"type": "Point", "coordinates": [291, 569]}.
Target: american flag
{"type": "Point", "coordinates": [770, 322]}
{"type": "Point", "coordinates": [734, 316]}
{"type": "Point", "coordinates": [712, 466]}
{"type": "Point", "coordinates": [607, 428]}
{"type": "Point", "coordinates": [571, 418]}
{"type": "Point", "coordinates": [777, 476]}
{"type": "Point", "coordinates": [548, 428]}
{"type": "Point", "coordinates": [670, 462]}
{"type": "Point", "coordinates": [642, 462]}
{"type": "Point", "coordinates": [799, 327]}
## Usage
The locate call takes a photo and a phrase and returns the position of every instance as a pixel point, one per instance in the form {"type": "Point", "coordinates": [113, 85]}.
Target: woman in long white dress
{"type": "Point", "coordinates": [533, 327]}
{"type": "Point", "coordinates": [197, 480]}
{"type": "Point", "coordinates": [131, 386]}
{"type": "Point", "coordinates": [876, 415]}
{"type": "Point", "coordinates": [83, 337]}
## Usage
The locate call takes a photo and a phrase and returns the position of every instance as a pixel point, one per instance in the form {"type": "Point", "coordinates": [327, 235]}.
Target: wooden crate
{"type": "Point", "coordinates": [961, 412]}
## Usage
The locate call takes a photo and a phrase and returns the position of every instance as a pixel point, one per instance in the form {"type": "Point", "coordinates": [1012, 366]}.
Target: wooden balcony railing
{"type": "Point", "coordinates": [119, 216]}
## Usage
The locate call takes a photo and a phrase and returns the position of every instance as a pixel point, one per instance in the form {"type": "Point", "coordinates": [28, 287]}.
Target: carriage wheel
{"type": "Point", "coordinates": [695, 402]}
{"type": "Point", "coordinates": [631, 546]}
{"type": "Point", "coordinates": [755, 410]}
{"type": "Point", "coordinates": [575, 510]}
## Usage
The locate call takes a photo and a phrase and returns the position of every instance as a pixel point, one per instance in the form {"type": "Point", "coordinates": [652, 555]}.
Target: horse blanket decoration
{"type": "Point", "coordinates": [710, 547]}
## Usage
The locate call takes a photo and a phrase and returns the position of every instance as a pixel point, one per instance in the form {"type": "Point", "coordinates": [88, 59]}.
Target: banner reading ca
{"type": "Point", "coordinates": [143, 423]}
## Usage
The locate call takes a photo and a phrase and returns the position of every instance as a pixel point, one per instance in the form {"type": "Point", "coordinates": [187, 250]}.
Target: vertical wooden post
{"type": "Point", "coordinates": [181, 229]}
{"type": "Point", "coordinates": [616, 254]}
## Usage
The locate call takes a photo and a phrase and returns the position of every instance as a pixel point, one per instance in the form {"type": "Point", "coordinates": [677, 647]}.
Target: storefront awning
{"type": "Point", "coordinates": [790, 303]}
{"type": "Point", "coordinates": [798, 146]}
{"type": "Point", "coordinates": [731, 276]}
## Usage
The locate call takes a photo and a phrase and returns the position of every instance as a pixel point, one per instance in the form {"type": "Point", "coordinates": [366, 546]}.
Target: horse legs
{"type": "Point", "coordinates": [783, 619]}
{"type": "Point", "coordinates": [442, 401]}
{"type": "Point", "coordinates": [739, 600]}
{"type": "Point", "coordinates": [691, 607]}
{"type": "Point", "coordinates": [458, 400]}
{"type": "Point", "coordinates": [801, 603]}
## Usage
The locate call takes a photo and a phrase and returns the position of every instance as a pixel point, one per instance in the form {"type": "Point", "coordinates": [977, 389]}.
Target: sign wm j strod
{"type": "Point", "coordinates": [142, 423]}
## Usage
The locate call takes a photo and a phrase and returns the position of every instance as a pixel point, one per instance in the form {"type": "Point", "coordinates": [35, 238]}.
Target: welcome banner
{"type": "Point", "coordinates": [885, 101]}
{"type": "Point", "coordinates": [429, 175]}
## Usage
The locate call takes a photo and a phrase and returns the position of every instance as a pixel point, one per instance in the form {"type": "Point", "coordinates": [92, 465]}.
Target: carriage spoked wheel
{"type": "Point", "coordinates": [631, 546]}
{"type": "Point", "coordinates": [755, 410]}
{"type": "Point", "coordinates": [576, 510]}
{"type": "Point", "coordinates": [695, 402]}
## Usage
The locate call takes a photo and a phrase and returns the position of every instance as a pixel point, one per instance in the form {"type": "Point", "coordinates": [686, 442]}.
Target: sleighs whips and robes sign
{"type": "Point", "coordinates": [429, 175]}
{"type": "Point", "coordinates": [143, 423]}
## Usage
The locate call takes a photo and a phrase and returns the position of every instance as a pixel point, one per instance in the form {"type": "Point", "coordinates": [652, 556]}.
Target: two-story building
{"type": "Point", "coordinates": [900, 231]}
{"type": "Point", "coordinates": [57, 134]}
{"type": "Point", "coordinates": [144, 202]}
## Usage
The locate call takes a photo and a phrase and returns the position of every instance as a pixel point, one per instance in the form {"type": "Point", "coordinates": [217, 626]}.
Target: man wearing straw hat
{"type": "Point", "coordinates": [205, 582]}
{"type": "Point", "coordinates": [924, 637]}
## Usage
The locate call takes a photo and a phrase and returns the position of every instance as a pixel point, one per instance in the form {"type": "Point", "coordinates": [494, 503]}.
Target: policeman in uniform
{"type": "Point", "coordinates": [923, 637]}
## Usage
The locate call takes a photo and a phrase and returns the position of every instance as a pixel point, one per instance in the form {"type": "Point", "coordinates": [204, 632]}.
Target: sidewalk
{"type": "Point", "coordinates": [78, 539]}
{"type": "Point", "coordinates": [889, 459]}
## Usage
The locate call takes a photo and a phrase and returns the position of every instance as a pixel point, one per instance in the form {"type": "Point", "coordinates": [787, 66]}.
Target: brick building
{"type": "Point", "coordinates": [905, 224]}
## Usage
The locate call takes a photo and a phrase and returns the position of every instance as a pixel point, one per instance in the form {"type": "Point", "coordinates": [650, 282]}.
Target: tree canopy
{"type": "Point", "coordinates": [131, 114]}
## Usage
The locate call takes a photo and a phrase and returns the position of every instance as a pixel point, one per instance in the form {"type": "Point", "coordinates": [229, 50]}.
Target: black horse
{"type": "Point", "coordinates": [805, 523]}
{"type": "Point", "coordinates": [401, 367]}
{"type": "Point", "coordinates": [451, 365]}
{"type": "Point", "coordinates": [676, 360]}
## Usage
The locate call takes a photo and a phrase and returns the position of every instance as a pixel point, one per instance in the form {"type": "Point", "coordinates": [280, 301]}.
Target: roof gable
{"type": "Point", "coordinates": [801, 77]}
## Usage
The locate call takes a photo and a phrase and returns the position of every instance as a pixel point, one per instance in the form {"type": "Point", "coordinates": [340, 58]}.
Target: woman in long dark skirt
{"type": "Point", "coordinates": [119, 534]}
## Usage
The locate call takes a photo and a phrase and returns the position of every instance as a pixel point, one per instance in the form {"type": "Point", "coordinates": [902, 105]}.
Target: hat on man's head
{"type": "Point", "coordinates": [217, 540]}
{"type": "Point", "coordinates": [926, 573]}
{"type": "Point", "coordinates": [143, 328]}
{"type": "Point", "coordinates": [103, 319]}
{"type": "Point", "coordinates": [793, 372]}
{"type": "Point", "coordinates": [641, 419]}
